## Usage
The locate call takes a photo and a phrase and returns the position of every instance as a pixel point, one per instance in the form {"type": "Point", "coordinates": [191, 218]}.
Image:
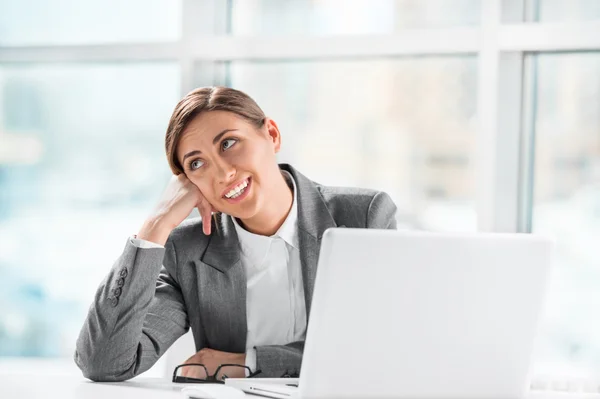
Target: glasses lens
{"type": "Point", "coordinates": [197, 372]}
{"type": "Point", "coordinates": [231, 372]}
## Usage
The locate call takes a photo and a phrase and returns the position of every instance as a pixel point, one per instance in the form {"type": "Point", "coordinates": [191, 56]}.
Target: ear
{"type": "Point", "coordinates": [273, 133]}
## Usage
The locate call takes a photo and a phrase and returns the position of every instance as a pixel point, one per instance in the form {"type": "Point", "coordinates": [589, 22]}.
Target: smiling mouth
{"type": "Point", "coordinates": [238, 190]}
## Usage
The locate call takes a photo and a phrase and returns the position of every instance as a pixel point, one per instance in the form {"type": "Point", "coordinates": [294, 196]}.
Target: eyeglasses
{"type": "Point", "coordinates": [197, 373]}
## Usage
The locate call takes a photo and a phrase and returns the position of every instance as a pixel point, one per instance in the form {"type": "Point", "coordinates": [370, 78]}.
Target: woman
{"type": "Point", "coordinates": [243, 279]}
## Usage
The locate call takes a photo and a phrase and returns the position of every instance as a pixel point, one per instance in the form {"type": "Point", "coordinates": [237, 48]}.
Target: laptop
{"type": "Point", "coordinates": [419, 315]}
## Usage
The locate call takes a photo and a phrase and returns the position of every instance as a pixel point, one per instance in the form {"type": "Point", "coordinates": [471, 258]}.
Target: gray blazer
{"type": "Point", "coordinates": [153, 296]}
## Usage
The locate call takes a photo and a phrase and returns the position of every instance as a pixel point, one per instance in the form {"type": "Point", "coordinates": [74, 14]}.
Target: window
{"type": "Point", "coordinates": [367, 134]}
{"type": "Point", "coordinates": [81, 164]}
{"type": "Point", "coordinates": [566, 201]}
{"type": "Point", "coordinates": [312, 17]}
{"type": "Point", "coordinates": [43, 22]}
{"type": "Point", "coordinates": [567, 11]}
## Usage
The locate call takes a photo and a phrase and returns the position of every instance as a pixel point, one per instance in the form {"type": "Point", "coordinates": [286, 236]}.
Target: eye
{"type": "Point", "coordinates": [227, 144]}
{"type": "Point", "coordinates": [195, 164]}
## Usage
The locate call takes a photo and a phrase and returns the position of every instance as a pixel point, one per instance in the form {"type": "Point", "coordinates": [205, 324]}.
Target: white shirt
{"type": "Point", "coordinates": [275, 306]}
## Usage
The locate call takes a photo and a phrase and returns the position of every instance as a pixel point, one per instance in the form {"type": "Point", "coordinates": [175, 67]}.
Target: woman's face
{"type": "Point", "coordinates": [231, 162]}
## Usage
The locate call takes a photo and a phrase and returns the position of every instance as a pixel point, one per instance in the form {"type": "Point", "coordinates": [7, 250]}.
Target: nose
{"type": "Point", "coordinates": [225, 171]}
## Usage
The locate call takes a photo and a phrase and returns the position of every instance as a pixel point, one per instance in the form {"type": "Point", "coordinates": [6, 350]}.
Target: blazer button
{"type": "Point", "coordinates": [120, 282]}
{"type": "Point", "coordinates": [123, 272]}
{"type": "Point", "coordinates": [114, 302]}
{"type": "Point", "coordinates": [117, 292]}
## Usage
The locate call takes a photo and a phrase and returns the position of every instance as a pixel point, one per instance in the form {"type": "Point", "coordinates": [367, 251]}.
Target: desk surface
{"type": "Point", "coordinates": [69, 387]}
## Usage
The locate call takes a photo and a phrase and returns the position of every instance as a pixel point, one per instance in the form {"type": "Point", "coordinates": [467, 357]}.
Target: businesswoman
{"type": "Point", "coordinates": [243, 278]}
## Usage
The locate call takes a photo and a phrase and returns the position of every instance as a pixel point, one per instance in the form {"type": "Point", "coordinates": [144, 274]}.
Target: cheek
{"type": "Point", "coordinates": [204, 186]}
{"type": "Point", "coordinates": [259, 156]}
{"type": "Point", "coordinates": [245, 159]}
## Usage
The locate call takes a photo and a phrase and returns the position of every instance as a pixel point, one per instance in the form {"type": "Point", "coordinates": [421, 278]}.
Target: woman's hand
{"type": "Point", "coordinates": [212, 359]}
{"type": "Point", "coordinates": [176, 203]}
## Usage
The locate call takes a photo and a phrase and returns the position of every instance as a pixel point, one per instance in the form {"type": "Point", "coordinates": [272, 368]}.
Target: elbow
{"type": "Point", "coordinates": [98, 372]}
{"type": "Point", "coordinates": [99, 375]}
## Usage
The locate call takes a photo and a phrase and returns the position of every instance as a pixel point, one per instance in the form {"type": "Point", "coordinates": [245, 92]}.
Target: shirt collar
{"type": "Point", "coordinates": [289, 229]}
{"type": "Point", "coordinates": [256, 246]}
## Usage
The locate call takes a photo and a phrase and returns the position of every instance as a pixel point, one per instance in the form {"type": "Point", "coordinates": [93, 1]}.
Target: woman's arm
{"type": "Point", "coordinates": [382, 212]}
{"type": "Point", "coordinates": [137, 313]}
{"type": "Point", "coordinates": [138, 310]}
{"type": "Point", "coordinates": [276, 360]}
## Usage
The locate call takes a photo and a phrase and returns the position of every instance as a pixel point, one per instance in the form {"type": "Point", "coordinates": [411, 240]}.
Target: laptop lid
{"type": "Point", "coordinates": [424, 315]}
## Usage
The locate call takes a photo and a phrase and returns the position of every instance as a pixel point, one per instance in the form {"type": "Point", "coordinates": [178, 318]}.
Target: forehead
{"type": "Point", "coordinates": [201, 130]}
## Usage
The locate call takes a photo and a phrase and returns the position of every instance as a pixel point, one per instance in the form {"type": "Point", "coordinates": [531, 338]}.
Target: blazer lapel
{"type": "Point", "coordinates": [313, 219]}
{"type": "Point", "coordinates": [223, 250]}
{"type": "Point", "coordinates": [222, 289]}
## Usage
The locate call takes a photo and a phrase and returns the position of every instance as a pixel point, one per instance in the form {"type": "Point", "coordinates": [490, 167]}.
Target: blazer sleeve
{"type": "Point", "coordinates": [137, 313]}
{"type": "Point", "coordinates": [276, 360]}
{"type": "Point", "coordinates": [382, 212]}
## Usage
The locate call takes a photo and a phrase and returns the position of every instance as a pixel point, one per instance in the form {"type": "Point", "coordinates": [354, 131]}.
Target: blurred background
{"type": "Point", "coordinates": [474, 115]}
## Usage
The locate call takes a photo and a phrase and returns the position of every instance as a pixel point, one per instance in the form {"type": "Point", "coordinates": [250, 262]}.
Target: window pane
{"type": "Point", "coordinates": [406, 126]}
{"type": "Point", "coordinates": [81, 164]}
{"type": "Point", "coordinates": [40, 22]}
{"type": "Point", "coordinates": [566, 203]}
{"type": "Point", "coordinates": [564, 11]}
{"type": "Point", "coordinates": [325, 17]}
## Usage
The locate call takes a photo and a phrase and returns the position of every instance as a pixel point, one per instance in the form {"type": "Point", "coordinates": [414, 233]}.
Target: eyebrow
{"type": "Point", "coordinates": [218, 136]}
{"type": "Point", "coordinates": [215, 140]}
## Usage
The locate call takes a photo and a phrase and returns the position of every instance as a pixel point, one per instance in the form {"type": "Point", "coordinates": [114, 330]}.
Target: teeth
{"type": "Point", "coordinates": [237, 194]}
{"type": "Point", "coordinates": [237, 191]}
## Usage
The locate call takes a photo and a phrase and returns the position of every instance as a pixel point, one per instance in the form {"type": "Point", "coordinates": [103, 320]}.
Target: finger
{"type": "Point", "coordinates": [196, 373]}
{"type": "Point", "coordinates": [206, 222]}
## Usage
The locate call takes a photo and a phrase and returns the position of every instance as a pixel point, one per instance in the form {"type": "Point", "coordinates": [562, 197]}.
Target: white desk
{"type": "Point", "coordinates": [69, 387]}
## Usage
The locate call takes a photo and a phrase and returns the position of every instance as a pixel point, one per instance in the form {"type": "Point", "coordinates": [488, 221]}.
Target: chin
{"type": "Point", "coordinates": [242, 211]}
{"type": "Point", "coordinates": [240, 214]}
